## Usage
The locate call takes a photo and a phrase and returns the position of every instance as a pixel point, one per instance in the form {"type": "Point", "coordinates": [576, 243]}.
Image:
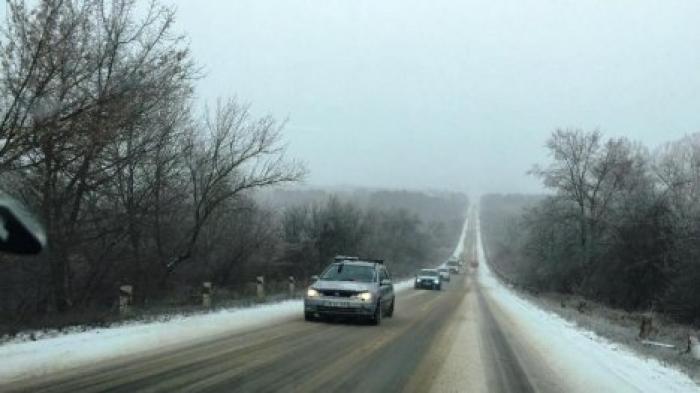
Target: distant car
{"type": "Point", "coordinates": [444, 273]}
{"type": "Point", "coordinates": [429, 279]}
{"type": "Point", "coordinates": [351, 287]}
{"type": "Point", "coordinates": [454, 267]}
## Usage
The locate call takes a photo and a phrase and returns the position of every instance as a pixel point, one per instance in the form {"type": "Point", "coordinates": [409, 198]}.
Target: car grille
{"type": "Point", "coordinates": [338, 292]}
{"type": "Point", "coordinates": [338, 310]}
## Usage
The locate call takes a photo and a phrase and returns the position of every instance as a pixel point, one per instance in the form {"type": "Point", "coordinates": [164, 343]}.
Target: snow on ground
{"type": "Point", "coordinates": [57, 352]}
{"type": "Point", "coordinates": [54, 354]}
{"type": "Point", "coordinates": [586, 360]}
{"type": "Point", "coordinates": [460, 243]}
{"type": "Point", "coordinates": [23, 359]}
{"type": "Point", "coordinates": [403, 285]}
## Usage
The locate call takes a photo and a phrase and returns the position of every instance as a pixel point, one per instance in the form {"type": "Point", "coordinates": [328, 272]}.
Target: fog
{"type": "Point", "coordinates": [456, 95]}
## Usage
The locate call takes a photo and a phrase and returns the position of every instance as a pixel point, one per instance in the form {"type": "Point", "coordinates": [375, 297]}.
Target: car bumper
{"type": "Point", "coordinates": [426, 284]}
{"type": "Point", "coordinates": [325, 306]}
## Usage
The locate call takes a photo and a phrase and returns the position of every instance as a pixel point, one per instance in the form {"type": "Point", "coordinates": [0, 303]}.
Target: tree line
{"type": "Point", "coordinates": [315, 232]}
{"type": "Point", "coordinates": [620, 226]}
{"type": "Point", "coordinates": [102, 137]}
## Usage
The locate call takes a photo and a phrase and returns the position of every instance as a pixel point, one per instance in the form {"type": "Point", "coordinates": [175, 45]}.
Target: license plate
{"type": "Point", "coordinates": [337, 304]}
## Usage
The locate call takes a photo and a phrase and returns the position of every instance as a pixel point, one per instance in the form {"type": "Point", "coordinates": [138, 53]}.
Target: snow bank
{"type": "Point", "coordinates": [586, 360]}
{"type": "Point", "coordinates": [24, 359]}
{"type": "Point", "coordinates": [460, 244]}
{"type": "Point", "coordinates": [403, 285]}
{"type": "Point", "coordinates": [54, 354]}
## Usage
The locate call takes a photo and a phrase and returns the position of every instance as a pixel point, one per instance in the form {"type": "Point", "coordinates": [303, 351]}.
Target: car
{"type": "Point", "coordinates": [453, 266]}
{"type": "Point", "coordinates": [428, 278]}
{"type": "Point", "coordinates": [351, 287]}
{"type": "Point", "coordinates": [444, 273]}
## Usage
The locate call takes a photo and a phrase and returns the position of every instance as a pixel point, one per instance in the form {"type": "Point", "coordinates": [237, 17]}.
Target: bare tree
{"type": "Point", "coordinates": [586, 172]}
{"type": "Point", "coordinates": [82, 76]}
{"type": "Point", "coordinates": [229, 153]}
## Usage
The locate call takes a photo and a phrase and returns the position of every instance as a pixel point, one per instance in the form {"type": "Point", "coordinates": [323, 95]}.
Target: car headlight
{"type": "Point", "coordinates": [417, 279]}
{"type": "Point", "coordinates": [312, 293]}
{"type": "Point", "coordinates": [364, 296]}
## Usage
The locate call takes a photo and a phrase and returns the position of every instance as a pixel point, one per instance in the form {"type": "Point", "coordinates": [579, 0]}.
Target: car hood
{"type": "Point", "coordinates": [427, 277]}
{"type": "Point", "coordinates": [344, 285]}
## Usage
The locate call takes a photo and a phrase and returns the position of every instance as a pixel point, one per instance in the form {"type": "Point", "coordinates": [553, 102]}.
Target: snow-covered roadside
{"type": "Point", "coordinates": [23, 359]}
{"type": "Point", "coordinates": [585, 360]}
{"type": "Point", "coordinates": [58, 351]}
{"type": "Point", "coordinates": [460, 243]}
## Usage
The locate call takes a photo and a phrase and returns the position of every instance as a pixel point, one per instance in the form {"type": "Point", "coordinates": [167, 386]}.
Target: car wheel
{"type": "Point", "coordinates": [377, 317]}
{"type": "Point", "coordinates": [390, 312]}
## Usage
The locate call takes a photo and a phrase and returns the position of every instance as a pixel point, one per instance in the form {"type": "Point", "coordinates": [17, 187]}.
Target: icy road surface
{"type": "Point", "coordinates": [473, 336]}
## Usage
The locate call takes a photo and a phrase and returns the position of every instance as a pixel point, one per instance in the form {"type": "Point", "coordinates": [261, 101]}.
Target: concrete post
{"type": "Point", "coordinates": [694, 347]}
{"type": "Point", "coordinates": [126, 295]}
{"type": "Point", "coordinates": [646, 327]}
{"type": "Point", "coordinates": [206, 294]}
{"type": "Point", "coordinates": [260, 281]}
{"type": "Point", "coordinates": [292, 290]}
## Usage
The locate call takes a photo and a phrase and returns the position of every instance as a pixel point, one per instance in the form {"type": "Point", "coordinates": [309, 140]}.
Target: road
{"type": "Point", "coordinates": [405, 353]}
{"type": "Point", "coordinates": [460, 339]}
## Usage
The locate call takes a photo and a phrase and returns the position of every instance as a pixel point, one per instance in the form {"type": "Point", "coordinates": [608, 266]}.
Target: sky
{"type": "Point", "coordinates": [457, 95]}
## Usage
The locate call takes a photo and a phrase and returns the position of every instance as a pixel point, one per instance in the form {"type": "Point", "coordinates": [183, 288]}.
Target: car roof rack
{"type": "Point", "coordinates": [340, 258]}
{"type": "Point", "coordinates": [345, 258]}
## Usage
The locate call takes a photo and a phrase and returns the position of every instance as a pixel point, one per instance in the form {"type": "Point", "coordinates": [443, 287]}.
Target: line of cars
{"type": "Point", "coordinates": [434, 278]}
{"type": "Point", "coordinates": [362, 288]}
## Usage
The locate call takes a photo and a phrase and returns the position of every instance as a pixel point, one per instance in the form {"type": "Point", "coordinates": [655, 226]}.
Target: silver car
{"type": "Point", "coordinates": [351, 287]}
{"type": "Point", "coordinates": [444, 273]}
{"type": "Point", "coordinates": [428, 278]}
{"type": "Point", "coordinates": [454, 267]}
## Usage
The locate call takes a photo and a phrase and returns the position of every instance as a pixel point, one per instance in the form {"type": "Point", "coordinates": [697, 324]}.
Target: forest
{"type": "Point", "coordinates": [620, 224]}
{"type": "Point", "coordinates": [138, 182]}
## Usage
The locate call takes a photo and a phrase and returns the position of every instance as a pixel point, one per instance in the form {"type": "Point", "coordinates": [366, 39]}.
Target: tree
{"type": "Point", "coordinates": [81, 77]}
{"type": "Point", "coordinates": [587, 173]}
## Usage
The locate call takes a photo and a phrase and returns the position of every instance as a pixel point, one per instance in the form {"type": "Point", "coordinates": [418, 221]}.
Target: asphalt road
{"type": "Point", "coordinates": [452, 340]}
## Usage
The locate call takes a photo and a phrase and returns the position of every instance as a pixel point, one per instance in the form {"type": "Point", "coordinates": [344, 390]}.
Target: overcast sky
{"type": "Point", "coordinates": [449, 94]}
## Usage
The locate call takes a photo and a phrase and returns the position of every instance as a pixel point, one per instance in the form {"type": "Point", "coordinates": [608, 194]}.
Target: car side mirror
{"type": "Point", "coordinates": [385, 281]}
{"type": "Point", "coordinates": [19, 232]}
{"type": "Point", "coordinates": [314, 278]}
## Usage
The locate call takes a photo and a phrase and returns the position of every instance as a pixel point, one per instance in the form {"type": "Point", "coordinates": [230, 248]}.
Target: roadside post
{"type": "Point", "coordinates": [206, 294]}
{"type": "Point", "coordinates": [292, 289]}
{"type": "Point", "coordinates": [126, 294]}
{"type": "Point", "coordinates": [260, 281]}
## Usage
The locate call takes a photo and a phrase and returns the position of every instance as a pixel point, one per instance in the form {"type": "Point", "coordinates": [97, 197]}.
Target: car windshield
{"type": "Point", "coordinates": [178, 161]}
{"type": "Point", "coordinates": [347, 272]}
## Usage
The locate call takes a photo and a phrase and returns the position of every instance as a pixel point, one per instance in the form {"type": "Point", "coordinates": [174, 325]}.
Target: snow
{"type": "Point", "coordinates": [31, 358]}
{"type": "Point", "coordinates": [460, 244]}
{"type": "Point", "coordinates": [22, 359]}
{"type": "Point", "coordinates": [587, 361]}
{"type": "Point", "coordinates": [403, 285]}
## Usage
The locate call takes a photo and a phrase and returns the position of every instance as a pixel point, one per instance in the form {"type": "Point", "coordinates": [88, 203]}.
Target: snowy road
{"type": "Point", "coordinates": [474, 336]}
